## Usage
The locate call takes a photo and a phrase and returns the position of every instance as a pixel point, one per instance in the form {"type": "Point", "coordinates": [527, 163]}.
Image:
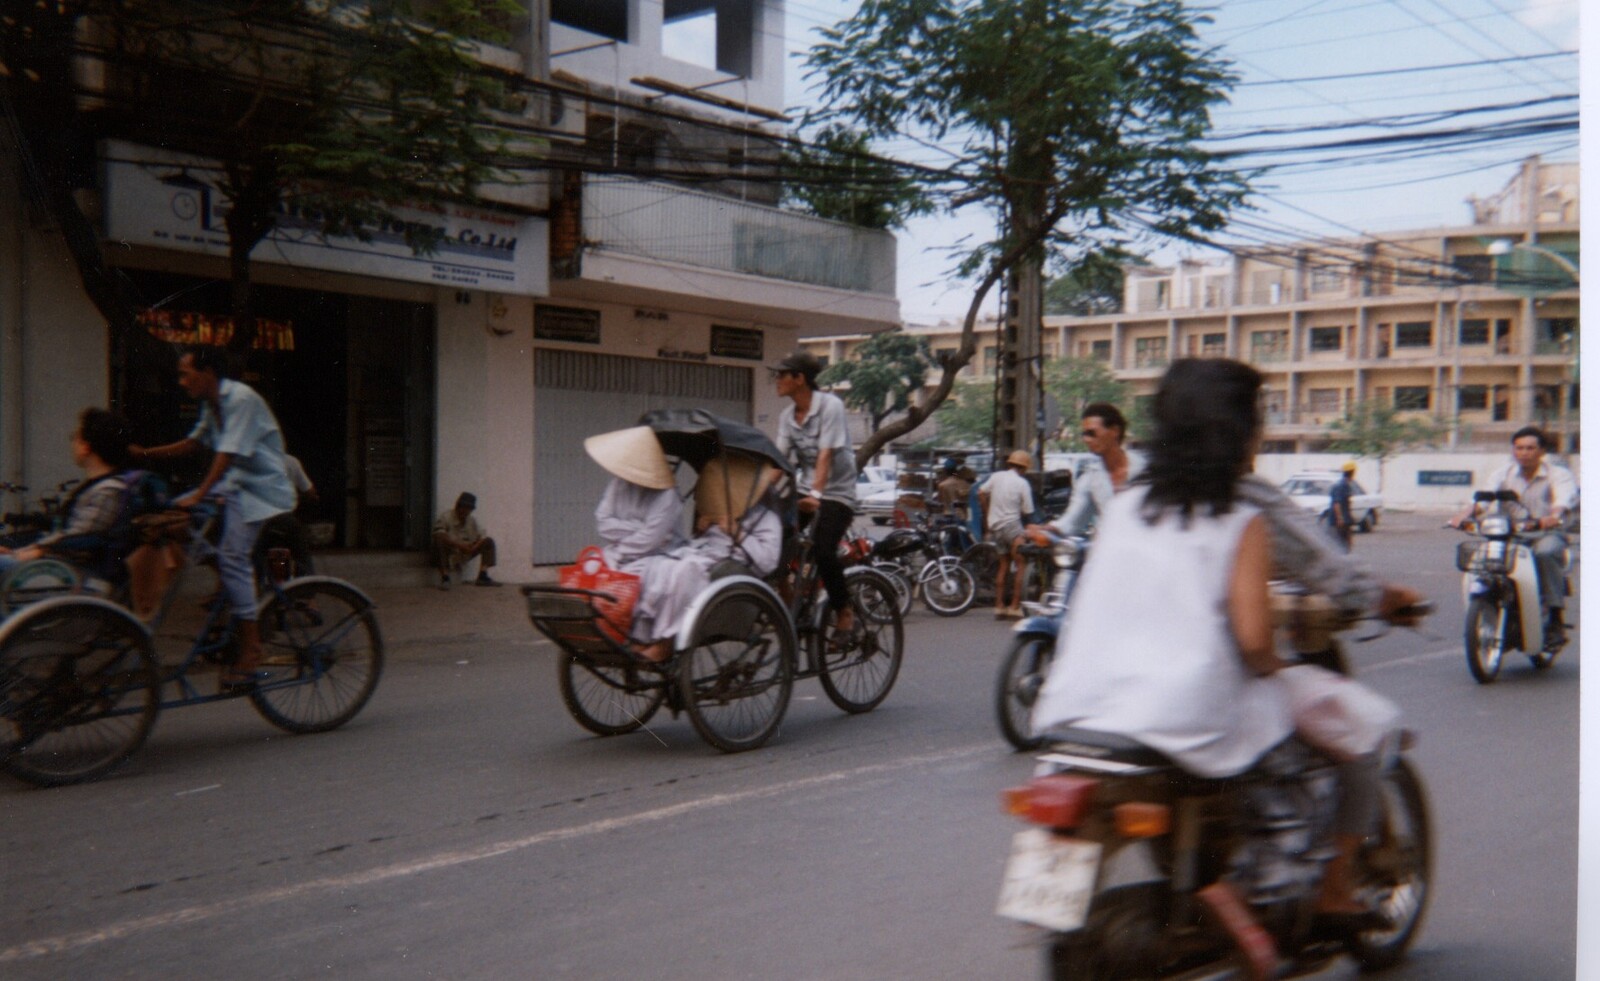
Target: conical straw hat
{"type": "Point", "coordinates": [633, 454]}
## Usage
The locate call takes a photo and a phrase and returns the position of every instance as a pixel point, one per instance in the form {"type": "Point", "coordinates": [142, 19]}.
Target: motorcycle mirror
{"type": "Point", "coordinates": [1483, 497]}
{"type": "Point", "coordinates": [1507, 495]}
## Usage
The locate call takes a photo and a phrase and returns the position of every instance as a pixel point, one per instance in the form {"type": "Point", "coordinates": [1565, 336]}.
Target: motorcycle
{"type": "Point", "coordinates": [1134, 868]}
{"type": "Point", "coordinates": [1500, 585]}
{"type": "Point", "coordinates": [1033, 647]}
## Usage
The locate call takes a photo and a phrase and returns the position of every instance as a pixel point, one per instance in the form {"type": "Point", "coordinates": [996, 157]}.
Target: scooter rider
{"type": "Point", "coordinates": [1549, 492]}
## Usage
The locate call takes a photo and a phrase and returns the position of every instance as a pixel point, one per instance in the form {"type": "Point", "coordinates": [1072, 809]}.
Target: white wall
{"type": "Point", "coordinates": [483, 435]}
{"type": "Point", "coordinates": [1399, 478]}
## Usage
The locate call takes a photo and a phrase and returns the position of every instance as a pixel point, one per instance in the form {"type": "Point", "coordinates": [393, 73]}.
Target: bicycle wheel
{"type": "Point", "coordinates": [737, 675]}
{"type": "Point", "coordinates": [607, 700]}
{"type": "Point", "coordinates": [323, 654]}
{"type": "Point", "coordinates": [859, 678]}
{"type": "Point", "coordinates": [948, 588]}
{"type": "Point", "coordinates": [1021, 676]}
{"type": "Point", "coordinates": [903, 589]}
{"type": "Point", "coordinates": [983, 561]}
{"type": "Point", "coordinates": [79, 691]}
{"type": "Point", "coordinates": [38, 580]}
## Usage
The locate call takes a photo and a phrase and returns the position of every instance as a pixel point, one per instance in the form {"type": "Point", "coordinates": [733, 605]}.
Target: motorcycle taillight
{"type": "Point", "coordinates": [1059, 800]}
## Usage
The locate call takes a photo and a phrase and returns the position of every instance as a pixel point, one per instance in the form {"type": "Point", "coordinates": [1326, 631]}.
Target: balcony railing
{"type": "Point", "coordinates": [675, 224]}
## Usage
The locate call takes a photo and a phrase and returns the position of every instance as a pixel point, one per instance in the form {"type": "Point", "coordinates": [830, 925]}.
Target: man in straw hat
{"type": "Point", "coordinates": [457, 538]}
{"type": "Point", "coordinates": [639, 519]}
{"type": "Point", "coordinates": [1007, 500]}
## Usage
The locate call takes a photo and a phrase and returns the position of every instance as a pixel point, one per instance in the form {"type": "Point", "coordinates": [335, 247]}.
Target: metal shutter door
{"type": "Point", "coordinates": [577, 395]}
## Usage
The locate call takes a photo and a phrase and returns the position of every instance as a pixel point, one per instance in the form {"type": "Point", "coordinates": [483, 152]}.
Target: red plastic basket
{"type": "Point", "coordinates": [591, 572]}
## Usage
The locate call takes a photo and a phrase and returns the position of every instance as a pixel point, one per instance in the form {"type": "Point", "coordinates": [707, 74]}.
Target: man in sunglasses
{"type": "Point", "coordinates": [1104, 430]}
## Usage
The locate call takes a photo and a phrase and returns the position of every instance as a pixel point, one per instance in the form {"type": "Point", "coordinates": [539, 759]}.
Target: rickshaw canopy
{"type": "Point", "coordinates": [695, 436]}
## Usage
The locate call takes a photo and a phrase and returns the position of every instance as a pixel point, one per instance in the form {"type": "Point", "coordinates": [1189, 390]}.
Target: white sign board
{"type": "Point", "coordinates": [169, 200]}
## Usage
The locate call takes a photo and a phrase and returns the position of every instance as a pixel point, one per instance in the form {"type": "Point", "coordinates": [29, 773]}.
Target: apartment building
{"type": "Point", "coordinates": [636, 264]}
{"type": "Point", "coordinates": [1475, 326]}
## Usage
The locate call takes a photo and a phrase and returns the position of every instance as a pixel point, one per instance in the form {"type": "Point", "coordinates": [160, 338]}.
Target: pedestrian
{"type": "Point", "coordinates": [812, 433]}
{"type": "Point", "coordinates": [1007, 500]}
{"type": "Point", "coordinates": [1341, 517]}
{"type": "Point", "coordinates": [247, 469]}
{"type": "Point", "coordinates": [458, 539]}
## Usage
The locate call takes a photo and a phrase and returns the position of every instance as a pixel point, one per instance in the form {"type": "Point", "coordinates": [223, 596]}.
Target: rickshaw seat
{"type": "Point", "coordinates": [571, 622]}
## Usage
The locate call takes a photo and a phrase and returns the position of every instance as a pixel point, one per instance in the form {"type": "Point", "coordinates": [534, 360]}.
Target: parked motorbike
{"type": "Point", "coordinates": [1033, 646]}
{"type": "Point", "coordinates": [1134, 868]}
{"type": "Point", "coordinates": [1500, 585]}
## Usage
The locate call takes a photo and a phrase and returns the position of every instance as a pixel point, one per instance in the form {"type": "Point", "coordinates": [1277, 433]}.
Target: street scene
{"type": "Point", "coordinates": [792, 489]}
{"type": "Point", "coordinates": [464, 825]}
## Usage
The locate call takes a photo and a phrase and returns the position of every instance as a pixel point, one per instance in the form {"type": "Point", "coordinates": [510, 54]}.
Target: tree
{"type": "Point", "coordinates": [966, 418]}
{"type": "Point", "coordinates": [885, 372]}
{"type": "Point", "coordinates": [1073, 383]}
{"type": "Point", "coordinates": [335, 112]}
{"type": "Point", "coordinates": [834, 176]}
{"type": "Point", "coordinates": [1375, 430]}
{"type": "Point", "coordinates": [1076, 123]}
{"type": "Point", "coordinates": [1091, 286]}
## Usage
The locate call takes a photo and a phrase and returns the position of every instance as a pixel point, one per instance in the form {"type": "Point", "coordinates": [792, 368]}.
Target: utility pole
{"type": "Point", "coordinates": [1019, 361]}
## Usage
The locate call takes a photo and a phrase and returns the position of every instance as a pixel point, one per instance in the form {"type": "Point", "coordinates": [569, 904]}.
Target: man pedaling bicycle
{"type": "Point", "coordinates": [247, 470]}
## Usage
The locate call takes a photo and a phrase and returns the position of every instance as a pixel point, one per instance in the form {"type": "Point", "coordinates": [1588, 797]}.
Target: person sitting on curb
{"type": "Point", "coordinates": [457, 538]}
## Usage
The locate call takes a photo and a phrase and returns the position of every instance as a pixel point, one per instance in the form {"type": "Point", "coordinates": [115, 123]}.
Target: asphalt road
{"type": "Point", "coordinates": [464, 826]}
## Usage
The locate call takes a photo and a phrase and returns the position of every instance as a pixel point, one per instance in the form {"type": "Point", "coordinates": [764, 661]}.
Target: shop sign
{"type": "Point", "coordinates": [182, 328]}
{"type": "Point", "coordinates": [737, 342]}
{"type": "Point", "coordinates": [1444, 478]}
{"type": "Point", "coordinates": [573, 324]}
{"type": "Point", "coordinates": [170, 200]}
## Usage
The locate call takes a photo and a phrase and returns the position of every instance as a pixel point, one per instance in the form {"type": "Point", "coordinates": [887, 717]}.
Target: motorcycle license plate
{"type": "Point", "coordinates": [1049, 880]}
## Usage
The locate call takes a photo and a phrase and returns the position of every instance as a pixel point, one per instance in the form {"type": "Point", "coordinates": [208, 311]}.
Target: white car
{"type": "Point", "coordinates": [873, 480]}
{"type": "Point", "coordinates": [1310, 488]}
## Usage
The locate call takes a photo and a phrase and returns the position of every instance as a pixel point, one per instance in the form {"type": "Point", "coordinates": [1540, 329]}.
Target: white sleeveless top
{"type": "Point", "coordinates": [1147, 651]}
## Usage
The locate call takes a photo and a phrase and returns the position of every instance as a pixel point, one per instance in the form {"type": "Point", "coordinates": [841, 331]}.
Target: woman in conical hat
{"type": "Point", "coordinates": [640, 511]}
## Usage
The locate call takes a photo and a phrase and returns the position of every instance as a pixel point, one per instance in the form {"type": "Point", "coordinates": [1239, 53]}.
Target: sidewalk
{"type": "Point", "coordinates": [419, 621]}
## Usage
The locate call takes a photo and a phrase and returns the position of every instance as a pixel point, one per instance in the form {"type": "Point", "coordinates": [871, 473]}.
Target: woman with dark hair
{"type": "Point", "coordinates": [1170, 637]}
{"type": "Point", "coordinates": [100, 449]}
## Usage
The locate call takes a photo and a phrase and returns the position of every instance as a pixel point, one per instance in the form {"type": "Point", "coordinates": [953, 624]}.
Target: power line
{"type": "Point", "coordinates": [1409, 71]}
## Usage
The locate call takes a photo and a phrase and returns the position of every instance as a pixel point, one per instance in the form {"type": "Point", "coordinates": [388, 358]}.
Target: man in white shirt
{"type": "Point", "coordinates": [1548, 491]}
{"type": "Point", "coordinates": [1007, 500]}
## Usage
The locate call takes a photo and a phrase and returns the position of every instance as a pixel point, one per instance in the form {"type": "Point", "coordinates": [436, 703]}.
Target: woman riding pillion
{"type": "Point", "coordinates": [812, 433]}
{"type": "Point", "coordinates": [1170, 641]}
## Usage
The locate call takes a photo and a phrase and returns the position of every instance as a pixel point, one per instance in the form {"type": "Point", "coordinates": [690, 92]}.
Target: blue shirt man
{"type": "Point", "coordinates": [247, 469]}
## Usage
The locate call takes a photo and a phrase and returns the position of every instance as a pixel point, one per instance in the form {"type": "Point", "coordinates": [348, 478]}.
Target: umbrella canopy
{"type": "Point", "coordinates": [695, 436]}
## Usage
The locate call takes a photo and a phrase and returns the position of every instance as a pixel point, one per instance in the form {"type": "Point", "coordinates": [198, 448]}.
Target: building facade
{"type": "Point", "coordinates": [612, 280]}
{"type": "Point", "coordinates": [1470, 326]}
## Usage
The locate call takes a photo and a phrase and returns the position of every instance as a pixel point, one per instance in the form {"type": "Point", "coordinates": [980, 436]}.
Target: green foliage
{"type": "Point", "coordinates": [1074, 383]}
{"type": "Point", "coordinates": [1091, 286]}
{"type": "Point", "coordinates": [1074, 120]}
{"type": "Point", "coordinates": [886, 371]}
{"type": "Point", "coordinates": [966, 418]}
{"type": "Point", "coordinates": [837, 178]}
{"type": "Point", "coordinates": [1374, 429]}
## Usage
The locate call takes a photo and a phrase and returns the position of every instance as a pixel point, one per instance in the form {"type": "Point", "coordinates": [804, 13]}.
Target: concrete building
{"type": "Point", "coordinates": [1432, 322]}
{"type": "Point", "coordinates": [556, 307]}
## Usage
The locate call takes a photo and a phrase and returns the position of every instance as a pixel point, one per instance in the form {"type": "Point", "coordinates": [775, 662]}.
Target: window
{"type": "Point", "coordinates": [1325, 338]}
{"type": "Point", "coordinates": [942, 355]}
{"type": "Point", "coordinates": [1327, 280]}
{"type": "Point", "coordinates": [1553, 335]}
{"type": "Point", "coordinates": [1213, 345]}
{"type": "Point", "coordinates": [1150, 352]}
{"type": "Point", "coordinates": [1473, 397]}
{"type": "Point", "coordinates": [1474, 332]}
{"type": "Point", "coordinates": [1269, 345]}
{"type": "Point", "coordinates": [1412, 398]}
{"type": "Point", "coordinates": [1415, 333]}
{"type": "Point", "coordinates": [1323, 401]}
{"type": "Point", "coordinates": [1473, 268]}
{"type": "Point", "coordinates": [989, 361]}
{"type": "Point", "coordinates": [605, 19]}
{"type": "Point", "coordinates": [1100, 350]}
{"type": "Point", "coordinates": [1272, 403]}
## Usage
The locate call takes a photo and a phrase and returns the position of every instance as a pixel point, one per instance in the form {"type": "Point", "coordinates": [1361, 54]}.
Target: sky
{"type": "Point", "coordinates": [1270, 41]}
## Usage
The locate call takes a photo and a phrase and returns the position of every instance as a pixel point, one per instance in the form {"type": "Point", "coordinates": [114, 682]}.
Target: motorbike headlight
{"type": "Point", "coordinates": [1069, 552]}
{"type": "Point", "coordinates": [1495, 525]}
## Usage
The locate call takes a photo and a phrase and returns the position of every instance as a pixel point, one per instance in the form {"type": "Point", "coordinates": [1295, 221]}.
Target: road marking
{"type": "Point", "coordinates": [1413, 659]}
{"type": "Point", "coordinates": [63, 943]}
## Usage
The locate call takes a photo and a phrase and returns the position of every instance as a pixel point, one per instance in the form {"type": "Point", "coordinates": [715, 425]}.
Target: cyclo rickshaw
{"type": "Point", "coordinates": [744, 638]}
{"type": "Point", "coordinates": [82, 680]}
